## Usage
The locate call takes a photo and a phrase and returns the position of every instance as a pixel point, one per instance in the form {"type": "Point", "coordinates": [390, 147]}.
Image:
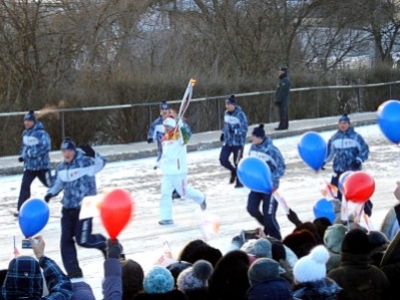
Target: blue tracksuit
{"type": "Point", "coordinates": [156, 132]}
{"type": "Point", "coordinates": [35, 150]}
{"type": "Point", "coordinates": [235, 127]}
{"type": "Point", "coordinates": [235, 134]}
{"type": "Point", "coordinates": [273, 157]}
{"type": "Point", "coordinates": [345, 148]}
{"type": "Point", "coordinates": [36, 146]}
{"type": "Point", "coordinates": [77, 179]}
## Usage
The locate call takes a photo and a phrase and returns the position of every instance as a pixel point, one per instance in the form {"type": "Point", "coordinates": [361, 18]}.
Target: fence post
{"type": "Point", "coordinates": [62, 126]}
{"type": "Point", "coordinates": [150, 114]}
{"type": "Point", "coordinates": [218, 114]}
{"type": "Point", "coordinates": [271, 100]}
{"type": "Point", "coordinates": [318, 101]}
{"type": "Point", "coordinates": [390, 91]}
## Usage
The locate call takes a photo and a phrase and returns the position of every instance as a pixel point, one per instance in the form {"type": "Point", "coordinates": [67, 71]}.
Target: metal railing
{"type": "Point", "coordinates": [150, 106]}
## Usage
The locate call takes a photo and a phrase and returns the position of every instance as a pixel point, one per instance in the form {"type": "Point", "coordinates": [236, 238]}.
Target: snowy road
{"type": "Point", "coordinates": [143, 236]}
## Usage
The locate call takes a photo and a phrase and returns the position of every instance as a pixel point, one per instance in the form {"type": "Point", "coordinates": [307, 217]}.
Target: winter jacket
{"type": "Point", "coordinates": [235, 127]}
{"type": "Point", "coordinates": [156, 131]}
{"type": "Point", "coordinates": [77, 179]}
{"type": "Point", "coordinates": [272, 156]}
{"type": "Point", "coordinates": [359, 279]}
{"type": "Point", "coordinates": [346, 148]}
{"type": "Point", "coordinates": [35, 149]}
{"type": "Point", "coordinates": [173, 159]}
{"type": "Point", "coordinates": [282, 96]}
{"type": "Point", "coordinates": [112, 284]}
{"type": "Point", "coordinates": [273, 289]}
{"type": "Point", "coordinates": [323, 289]}
{"type": "Point", "coordinates": [18, 286]}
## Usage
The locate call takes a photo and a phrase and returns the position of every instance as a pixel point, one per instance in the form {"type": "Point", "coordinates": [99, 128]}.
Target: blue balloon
{"type": "Point", "coordinates": [255, 174]}
{"type": "Point", "coordinates": [312, 149]}
{"type": "Point", "coordinates": [33, 216]}
{"type": "Point", "coordinates": [324, 208]}
{"type": "Point", "coordinates": [389, 120]}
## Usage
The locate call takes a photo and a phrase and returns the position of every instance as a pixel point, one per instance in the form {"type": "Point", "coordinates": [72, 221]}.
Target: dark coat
{"type": "Point", "coordinates": [273, 289]}
{"type": "Point", "coordinates": [359, 279]}
{"type": "Point", "coordinates": [283, 91]}
{"type": "Point", "coordinates": [324, 289]}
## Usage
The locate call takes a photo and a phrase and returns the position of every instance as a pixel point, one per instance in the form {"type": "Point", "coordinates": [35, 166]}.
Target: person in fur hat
{"type": "Point", "coordinates": [355, 274]}
{"type": "Point", "coordinates": [310, 278]}
{"type": "Point", "coordinates": [300, 242]}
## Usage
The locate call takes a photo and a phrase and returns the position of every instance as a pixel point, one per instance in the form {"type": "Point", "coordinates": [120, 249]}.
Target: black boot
{"type": "Point", "coordinates": [233, 177]}
{"type": "Point", "coordinates": [238, 184]}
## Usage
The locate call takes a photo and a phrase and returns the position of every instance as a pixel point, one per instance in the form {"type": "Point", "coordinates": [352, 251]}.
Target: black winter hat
{"type": "Point", "coordinates": [198, 249]}
{"type": "Point", "coordinates": [68, 144]}
{"type": "Point", "coordinates": [377, 239]}
{"type": "Point", "coordinates": [164, 105]}
{"type": "Point", "coordinates": [284, 69]}
{"type": "Point", "coordinates": [356, 242]}
{"type": "Point", "coordinates": [263, 269]}
{"type": "Point", "coordinates": [231, 100]}
{"type": "Point", "coordinates": [132, 278]}
{"type": "Point", "coordinates": [177, 267]}
{"type": "Point", "coordinates": [30, 116]}
{"type": "Point", "coordinates": [344, 118]}
{"type": "Point", "coordinates": [259, 131]}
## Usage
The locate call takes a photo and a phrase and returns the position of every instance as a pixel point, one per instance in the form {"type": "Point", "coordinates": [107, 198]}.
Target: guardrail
{"type": "Point", "coordinates": [217, 99]}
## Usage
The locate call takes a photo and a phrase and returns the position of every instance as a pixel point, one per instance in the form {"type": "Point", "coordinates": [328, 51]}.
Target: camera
{"type": "Point", "coordinates": [26, 244]}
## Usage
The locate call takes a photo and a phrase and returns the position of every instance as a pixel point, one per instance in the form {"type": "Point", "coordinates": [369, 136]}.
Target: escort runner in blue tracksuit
{"type": "Point", "coordinates": [76, 176]}
{"type": "Point", "coordinates": [263, 148]}
{"type": "Point", "coordinates": [233, 137]}
{"type": "Point", "coordinates": [35, 154]}
{"type": "Point", "coordinates": [348, 150]}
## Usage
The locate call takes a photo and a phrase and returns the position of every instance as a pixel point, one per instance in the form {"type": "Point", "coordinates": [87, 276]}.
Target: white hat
{"type": "Point", "coordinates": [312, 267]}
{"type": "Point", "coordinates": [170, 122]}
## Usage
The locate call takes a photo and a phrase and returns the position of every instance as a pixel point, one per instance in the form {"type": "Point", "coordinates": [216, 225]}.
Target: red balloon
{"type": "Point", "coordinates": [358, 187]}
{"type": "Point", "coordinates": [116, 211]}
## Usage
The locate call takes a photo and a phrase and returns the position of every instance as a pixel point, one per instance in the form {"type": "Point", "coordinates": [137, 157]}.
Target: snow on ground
{"type": "Point", "coordinates": [143, 237]}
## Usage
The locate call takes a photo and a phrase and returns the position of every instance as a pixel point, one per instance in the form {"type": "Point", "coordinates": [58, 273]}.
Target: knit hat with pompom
{"type": "Point", "coordinates": [195, 277]}
{"type": "Point", "coordinates": [312, 267]}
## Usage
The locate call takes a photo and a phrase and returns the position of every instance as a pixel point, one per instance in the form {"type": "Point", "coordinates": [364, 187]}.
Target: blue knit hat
{"type": "Point", "coordinates": [158, 280]}
{"type": "Point", "coordinates": [164, 105]}
{"type": "Point", "coordinates": [68, 144]}
{"type": "Point", "coordinates": [259, 131]}
{"type": "Point", "coordinates": [23, 279]}
{"type": "Point", "coordinates": [344, 118]}
{"type": "Point", "coordinates": [30, 116]}
{"type": "Point", "coordinates": [231, 100]}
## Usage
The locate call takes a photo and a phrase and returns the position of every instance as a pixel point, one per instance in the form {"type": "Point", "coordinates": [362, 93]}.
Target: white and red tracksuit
{"type": "Point", "coordinates": [174, 169]}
